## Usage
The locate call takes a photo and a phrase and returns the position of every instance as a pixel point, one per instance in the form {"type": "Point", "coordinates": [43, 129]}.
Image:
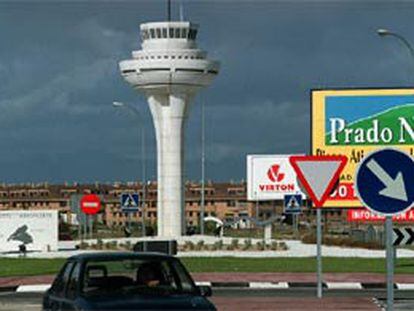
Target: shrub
{"type": "Point", "coordinates": [99, 244]}
{"type": "Point", "coordinates": [283, 246]}
{"type": "Point", "coordinates": [200, 245]}
{"type": "Point", "coordinates": [210, 247]}
{"type": "Point", "coordinates": [189, 246]}
{"type": "Point", "coordinates": [247, 244]}
{"type": "Point", "coordinates": [111, 245]}
{"type": "Point", "coordinates": [83, 245]}
{"type": "Point", "coordinates": [219, 245]}
{"type": "Point", "coordinates": [341, 241]}
{"type": "Point", "coordinates": [274, 246]}
{"type": "Point", "coordinates": [235, 243]}
{"type": "Point", "coordinates": [261, 245]}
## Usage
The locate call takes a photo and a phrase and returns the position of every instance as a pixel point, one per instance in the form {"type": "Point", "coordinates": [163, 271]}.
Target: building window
{"type": "Point", "coordinates": [184, 33]}
{"type": "Point", "coordinates": [231, 203]}
{"type": "Point", "coordinates": [158, 33]}
{"type": "Point", "coordinates": [152, 32]}
{"type": "Point", "coordinates": [177, 33]}
{"type": "Point", "coordinates": [145, 34]}
{"type": "Point", "coordinates": [164, 33]}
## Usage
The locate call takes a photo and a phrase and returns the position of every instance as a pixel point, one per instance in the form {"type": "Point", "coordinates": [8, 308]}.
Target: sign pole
{"type": "Point", "coordinates": [85, 227]}
{"type": "Point", "coordinates": [80, 231]}
{"type": "Point", "coordinates": [319, 251]}
{"type": "Point", "coordinates": [297, 224]}
{"type": "Point", "coordinates": [90, 226]}
{"type": "Point", "coordinates": [390, 263]}
{"type": "Point", "coordinates": [318, 176]}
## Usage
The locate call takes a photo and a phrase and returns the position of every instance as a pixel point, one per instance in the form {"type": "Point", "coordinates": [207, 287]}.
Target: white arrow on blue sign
{"type": "Point", "coordinates": [129, 202]}
{"type": "Point", "coordinates": [384, 181]}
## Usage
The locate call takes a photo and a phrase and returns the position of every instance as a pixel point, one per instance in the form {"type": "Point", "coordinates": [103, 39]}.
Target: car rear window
{"type": "Point", "coordinates": [129, 276]}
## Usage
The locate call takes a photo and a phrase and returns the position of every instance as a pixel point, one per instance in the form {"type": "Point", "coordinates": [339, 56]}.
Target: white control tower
{"type": "Point", "coordinates": [169, 71]}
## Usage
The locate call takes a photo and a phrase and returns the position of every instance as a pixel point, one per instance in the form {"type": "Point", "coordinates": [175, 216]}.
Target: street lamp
{"type": "Point", "coordinates": [203, 161]}
{"type": "Point", "coordinates": [390, 291]}
{"type": "Point", "coordinates": [136, 112]}
{"type": "Point", "coordinates": [385, 32]}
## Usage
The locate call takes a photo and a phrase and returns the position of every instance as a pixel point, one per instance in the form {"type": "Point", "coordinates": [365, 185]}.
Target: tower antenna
{"type": "Point", "coordinates": [181, 11]}
{"type": "Point", "coordinates": [169, 10]}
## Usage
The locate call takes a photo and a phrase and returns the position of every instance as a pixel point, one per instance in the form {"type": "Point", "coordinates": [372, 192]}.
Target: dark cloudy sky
{"type": "Point", "coordinates": [59, 75]}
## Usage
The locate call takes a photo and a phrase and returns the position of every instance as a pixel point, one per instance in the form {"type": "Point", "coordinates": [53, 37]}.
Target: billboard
{"type": "Point", "coordinates": [37, 230]}
{"type": "Point", "coordinates": [365, 215]}
{"type": "Point", "coordinates": [355, 122]}
{"type": "Point", "coordinates": [270, 177]}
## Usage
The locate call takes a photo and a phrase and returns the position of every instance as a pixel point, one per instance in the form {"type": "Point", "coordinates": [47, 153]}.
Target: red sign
{"type": "Point", "coordinates": [90, 204]}
{"type": "Point", "coordinates": [364, 215]}
{"type": "Point", "coordinates": [344, 192]}
{"type": "Point", "coordinates": [273, 173]}
{"type": "Point", "coordinates": [318, 174]}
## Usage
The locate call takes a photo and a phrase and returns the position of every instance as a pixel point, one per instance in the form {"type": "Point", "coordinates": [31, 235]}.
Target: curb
{"type": "Point", "coordinates": [40, 288]}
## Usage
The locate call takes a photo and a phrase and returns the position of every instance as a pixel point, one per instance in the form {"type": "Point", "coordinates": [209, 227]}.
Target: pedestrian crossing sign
{"type": "Point", "coordinates": [129, 202]}
{"type": "Point", "coordinates": [293, 203]}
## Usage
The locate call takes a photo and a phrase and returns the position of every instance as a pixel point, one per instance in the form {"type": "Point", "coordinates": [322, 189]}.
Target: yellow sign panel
{"type": "Point", "coordinates": [355, 122]}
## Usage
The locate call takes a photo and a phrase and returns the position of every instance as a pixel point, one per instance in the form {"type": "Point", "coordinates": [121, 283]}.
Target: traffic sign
{"type": "Point", "coordinates": [293, 203]}
{"type": "Point", "coordinates": [384, 181]}
{"type": "Point", "coordinates": [318, 174]}
{"type": "Point", "coordinates": [90, 204]}
{"type": "Point", "coordinates": [402, 236]}
{"type": "Point", "coordinates": [129, 202]}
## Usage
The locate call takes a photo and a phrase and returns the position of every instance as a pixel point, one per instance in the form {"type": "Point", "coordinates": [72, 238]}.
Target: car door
{"type": "Point", "coordinates": [57, 290]}
{"type": "Point", "coordinates": [71, 289]}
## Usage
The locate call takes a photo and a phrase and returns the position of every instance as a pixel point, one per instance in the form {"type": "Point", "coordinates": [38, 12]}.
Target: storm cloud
{"type": "Point", "coordinates": [59, 76]}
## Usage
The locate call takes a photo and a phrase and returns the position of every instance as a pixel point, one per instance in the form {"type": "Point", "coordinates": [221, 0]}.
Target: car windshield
{"type": "Point", "coordinates": [136, 276]}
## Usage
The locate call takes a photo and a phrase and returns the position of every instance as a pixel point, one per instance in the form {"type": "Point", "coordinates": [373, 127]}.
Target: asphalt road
{"type": "Point", "coordinates": [234, 299]}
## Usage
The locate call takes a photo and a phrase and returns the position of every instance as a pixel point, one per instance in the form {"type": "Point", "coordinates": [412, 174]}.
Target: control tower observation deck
{"type": "Point", "coordinates": [169, 71]}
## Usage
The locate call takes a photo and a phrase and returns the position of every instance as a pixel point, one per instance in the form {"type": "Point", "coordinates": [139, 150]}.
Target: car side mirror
{"type": "Point", "coordinates": [205, 291]}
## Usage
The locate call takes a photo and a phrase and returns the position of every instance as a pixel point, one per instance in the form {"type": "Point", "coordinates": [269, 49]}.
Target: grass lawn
{"type": "Point", "coordinates": [28, 266]}
{"type": "Point", "coordinates": [330, 264]}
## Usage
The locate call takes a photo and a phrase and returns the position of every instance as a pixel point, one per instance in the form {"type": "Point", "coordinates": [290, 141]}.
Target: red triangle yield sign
{"type": "Point", "coordinates": [318, 174]}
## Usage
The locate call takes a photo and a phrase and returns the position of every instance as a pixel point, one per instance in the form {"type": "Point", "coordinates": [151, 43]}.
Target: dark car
{"type": "Point", "coordinates": [125, 281]}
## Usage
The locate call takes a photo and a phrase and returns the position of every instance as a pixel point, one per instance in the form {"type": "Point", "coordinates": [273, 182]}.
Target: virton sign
{"type": "Point", "coordinates": [355, 122]}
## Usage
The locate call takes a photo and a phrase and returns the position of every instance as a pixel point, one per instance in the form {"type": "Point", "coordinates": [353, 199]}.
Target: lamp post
{"type": "Point", "coordinates": [203, 159]}
{"type": "Point", "coordinates": [136, 112]}
{"type": "Point", "coordinates": [385, 32]}
{"type": "Point", "coordinates": [391, 252]}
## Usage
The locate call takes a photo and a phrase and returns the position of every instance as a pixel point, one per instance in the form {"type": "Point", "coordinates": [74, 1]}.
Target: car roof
{"type": "Point", "coordinates": [120, 255]}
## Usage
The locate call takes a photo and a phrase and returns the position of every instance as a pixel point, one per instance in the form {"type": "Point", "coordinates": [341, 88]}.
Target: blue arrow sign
{"type": "Point", "coordinates": [292, 203]}
{"type": "Point", "coordinates": [384, 181]}
{"type": "Point", "coordinates": [129, 202]}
